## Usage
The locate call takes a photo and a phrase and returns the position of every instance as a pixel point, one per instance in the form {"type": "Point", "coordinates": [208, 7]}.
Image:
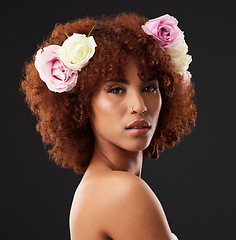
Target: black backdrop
{"type": "Point", "coordinates": [195, 181]}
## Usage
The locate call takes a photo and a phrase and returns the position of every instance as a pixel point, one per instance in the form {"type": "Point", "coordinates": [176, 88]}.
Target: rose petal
{"type": "Point", "coordinates": [165, 30]}
{"type": "Point", "coordinates": [77, 50]}
{"type": "Point", "coordinates": [186, 77]}
{"type": "Point", "coordinates": [52, 70]}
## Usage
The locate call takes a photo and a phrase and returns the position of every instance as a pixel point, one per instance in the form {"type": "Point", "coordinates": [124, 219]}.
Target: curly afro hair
{"type": "Point", "coordinates": [63, 118]}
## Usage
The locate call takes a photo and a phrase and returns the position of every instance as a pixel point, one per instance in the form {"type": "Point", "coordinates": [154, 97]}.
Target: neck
{"type": "Point", "coordinates": [117, 159]}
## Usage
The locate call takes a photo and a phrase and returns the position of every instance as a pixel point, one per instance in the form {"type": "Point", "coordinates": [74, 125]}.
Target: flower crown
{"type": "Point", "coordinates": [58, 66]}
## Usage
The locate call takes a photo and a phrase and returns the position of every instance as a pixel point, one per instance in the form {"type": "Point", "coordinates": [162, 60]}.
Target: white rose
{"type": "Point", "coordinates": [76, 51]}
{"type": "Point", "coordinates": [178, 50]}
{"type": "Point", "coordinates": [182, 62]}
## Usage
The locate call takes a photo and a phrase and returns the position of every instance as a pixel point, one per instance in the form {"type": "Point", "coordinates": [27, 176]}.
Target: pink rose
{"type": "Point", "coordinates": [186, 77]}
{"type": "Point", "coordinates": [57, 76]}
{"type": "Point", "coordinates": [165, 30]}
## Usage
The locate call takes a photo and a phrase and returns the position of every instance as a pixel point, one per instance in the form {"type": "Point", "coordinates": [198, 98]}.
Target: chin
{"type": "Point", "coordinates": [136, 146]}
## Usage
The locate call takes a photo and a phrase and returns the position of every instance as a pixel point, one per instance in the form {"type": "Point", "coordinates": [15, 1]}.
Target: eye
{"type": "Point", "coordinates": [150, 88]}
{"type": "Point", "coordinates": [116, 90]}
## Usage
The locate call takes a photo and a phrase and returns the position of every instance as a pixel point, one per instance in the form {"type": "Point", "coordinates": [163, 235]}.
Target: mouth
{"type": "Point", "coordinates": [139, 127]}
{"type": "Point", "coordinates": [139, 124]}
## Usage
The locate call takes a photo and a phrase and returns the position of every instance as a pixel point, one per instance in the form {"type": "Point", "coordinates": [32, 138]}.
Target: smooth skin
{"type": "Point", "coordinates": [112, 201]}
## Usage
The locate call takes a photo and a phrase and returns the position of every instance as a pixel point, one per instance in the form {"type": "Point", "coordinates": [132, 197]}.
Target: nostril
{"type": "Point", "coordinates": [141, 112]}
{"type": "Point", "coordinates": [144, 111]}
{"type": "Point", "coordinates": [133, 111]}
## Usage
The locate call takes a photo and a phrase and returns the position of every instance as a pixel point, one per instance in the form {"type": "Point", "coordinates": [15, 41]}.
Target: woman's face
{"type": "Point", "coordinates": [125, 112]}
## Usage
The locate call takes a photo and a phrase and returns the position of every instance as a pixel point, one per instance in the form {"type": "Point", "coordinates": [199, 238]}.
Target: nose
{"type": "Point", "coordinates": [137, 105]}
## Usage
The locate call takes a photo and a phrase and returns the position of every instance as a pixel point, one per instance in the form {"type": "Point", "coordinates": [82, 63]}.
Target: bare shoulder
{"type": "Point", "coordinates": [132, 211]}
{"type": "Point", "coordinates": [125, 184]}
{"type": "Point", "coordinates": [119, 205]}
{"type": "Point", "coordinates": [129, 188]}
{"type": "Point", "coordinates": [98, 195]}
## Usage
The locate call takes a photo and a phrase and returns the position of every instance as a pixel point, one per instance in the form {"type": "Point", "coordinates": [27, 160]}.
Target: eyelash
{"type": "Point", "coordinates": [115, 89]}
{"type": "Point", "coordinates": [112, 90]}
{"type": "Point", "coordinates": [153, 87]}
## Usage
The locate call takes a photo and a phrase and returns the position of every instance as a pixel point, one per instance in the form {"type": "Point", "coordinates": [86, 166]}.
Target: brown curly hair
{"type": "Point", "coordinates": [63, 118]}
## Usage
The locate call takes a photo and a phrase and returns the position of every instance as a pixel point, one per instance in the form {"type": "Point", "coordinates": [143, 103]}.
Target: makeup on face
{"type": "Point", "coordinates": [139, 127]}
{"type": "Point", "coordinates": [126, 110]}
{"type": "Point", "coordinates": [149, 85]}
{"type": "Point", "coordinates": [120, 87]}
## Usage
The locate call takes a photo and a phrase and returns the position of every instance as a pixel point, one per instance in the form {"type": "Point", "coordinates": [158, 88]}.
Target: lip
{"type": "Point", "coordinates": [139, 128]}
{"type": "Point", "coordinates": [139, 124]}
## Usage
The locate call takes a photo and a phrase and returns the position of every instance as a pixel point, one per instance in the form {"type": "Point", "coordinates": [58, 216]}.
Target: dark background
{"type": "Point", "coordinates": [195, 181]}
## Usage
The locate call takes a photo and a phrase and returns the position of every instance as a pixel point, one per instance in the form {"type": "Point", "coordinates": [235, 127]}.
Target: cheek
{"type": "Point", "coordinates": [155, 105]}
{"type": "Point", "coordinates": [154, 109]}
{"type": "Point", "coordinates": [105, 112]}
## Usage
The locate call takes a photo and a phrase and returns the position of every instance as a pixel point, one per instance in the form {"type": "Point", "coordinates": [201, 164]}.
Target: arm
{"type": "Point", "coordinates": [133, 211]}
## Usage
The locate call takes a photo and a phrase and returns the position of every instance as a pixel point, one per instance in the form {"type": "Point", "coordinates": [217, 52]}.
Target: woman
{"type": "Point", "coordinates": [109, 93]}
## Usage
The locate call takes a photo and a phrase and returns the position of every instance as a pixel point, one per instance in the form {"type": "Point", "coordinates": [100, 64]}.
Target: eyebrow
{"type": "Point", "coordinates": [124, 81]}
